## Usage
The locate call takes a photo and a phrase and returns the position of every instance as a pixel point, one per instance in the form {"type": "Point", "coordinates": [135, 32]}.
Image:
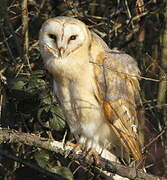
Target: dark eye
{"type": "Point", "coordinates": [73, 37]}
{"type": "Point", "coordinates": [52, 36]}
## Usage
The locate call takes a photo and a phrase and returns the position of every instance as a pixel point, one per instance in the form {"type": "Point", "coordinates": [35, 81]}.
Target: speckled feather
{"type": "Point", "coordinates": [117, 78]}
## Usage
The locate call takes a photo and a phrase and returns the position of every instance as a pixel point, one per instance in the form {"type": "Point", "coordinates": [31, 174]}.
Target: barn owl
{"type": "Point", "coordinates": [96, 87]}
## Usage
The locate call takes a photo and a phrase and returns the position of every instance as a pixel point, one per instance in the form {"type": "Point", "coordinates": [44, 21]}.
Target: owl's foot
{"type": "Point", "coordinates": [93, 155]}
{"type": "Point", "coordinates": [77, 148]}
{"type": "Point", "coordinates": [88, 154]}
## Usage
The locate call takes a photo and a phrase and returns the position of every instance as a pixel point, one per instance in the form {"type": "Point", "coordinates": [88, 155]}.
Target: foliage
{"type": "Point", "coordinates": [27, 101]}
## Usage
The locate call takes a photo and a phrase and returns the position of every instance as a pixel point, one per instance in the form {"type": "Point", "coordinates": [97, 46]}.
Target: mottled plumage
{"type": "Point", "coordinates": [97, 87]}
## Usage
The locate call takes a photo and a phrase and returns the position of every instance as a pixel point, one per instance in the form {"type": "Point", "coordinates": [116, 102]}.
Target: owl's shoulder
{"type": "Point", "coordinates": [112, 58]}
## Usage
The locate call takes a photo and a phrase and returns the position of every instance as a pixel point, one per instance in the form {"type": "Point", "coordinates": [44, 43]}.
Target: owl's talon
{"type": "Point", "coordinates": [93, 155]}
{"type": "Point", "coordinates": [77, 148]}
{"type": "Point", "coordinates": [88, 153]}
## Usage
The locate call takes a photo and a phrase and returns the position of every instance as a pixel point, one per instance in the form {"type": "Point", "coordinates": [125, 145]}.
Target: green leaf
{"type": "Point", "coordinates": [45, 97]}
{"type": "Point", "coordinates": [57, 121]}
{"type": "Point", "coordinates": [18, 84]}
{"type": "Point", "coordinates": [38, 73]}
{"type": "Point", "coordinates": [63, 171]}
{"type": "Point", "coordinates": [43, 159]}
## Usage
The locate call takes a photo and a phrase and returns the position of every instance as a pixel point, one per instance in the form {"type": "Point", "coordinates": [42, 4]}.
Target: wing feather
{"type": "Point", "coordinates": [117, 75]}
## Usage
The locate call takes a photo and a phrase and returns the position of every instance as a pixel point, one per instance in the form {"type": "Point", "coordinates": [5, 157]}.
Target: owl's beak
{"type": "Point", "coordinates": [61, 51]}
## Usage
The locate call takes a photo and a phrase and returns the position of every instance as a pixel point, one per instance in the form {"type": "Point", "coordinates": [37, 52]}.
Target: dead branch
{"type": "Point", "coordinates": [163, 85]}
{"type": "Point", "coordinates": [12, 136]}
{"type": "Point", "coordinates": [162, 91]}
{"type": "Point", "coordinates": [25, 32]}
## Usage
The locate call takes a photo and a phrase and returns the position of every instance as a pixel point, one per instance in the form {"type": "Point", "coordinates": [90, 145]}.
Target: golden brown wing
{"type": "Point", "coordinates": [116, 75]}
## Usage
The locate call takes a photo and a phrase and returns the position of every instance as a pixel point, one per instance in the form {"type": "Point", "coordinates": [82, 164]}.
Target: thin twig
{"type": "Point", "coordinates": [154, 139]}
{"type": "Point", "coordinates": [139, 77]}
{"type": "Point", "coordinates": [25, 33]}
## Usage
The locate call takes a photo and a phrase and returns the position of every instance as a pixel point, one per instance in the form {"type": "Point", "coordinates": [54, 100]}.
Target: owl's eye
{"type": "Point", "coordinates": [52, 36]}
{"type": "Point", "coordinates": [73, 37]}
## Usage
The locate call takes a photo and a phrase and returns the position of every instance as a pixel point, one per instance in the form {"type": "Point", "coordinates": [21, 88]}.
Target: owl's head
{"type": "Point", "coordinates": [62, 36]}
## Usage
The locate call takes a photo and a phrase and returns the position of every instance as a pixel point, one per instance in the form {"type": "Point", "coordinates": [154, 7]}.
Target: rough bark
{"type": "Point", "coordinates": [12, 136]}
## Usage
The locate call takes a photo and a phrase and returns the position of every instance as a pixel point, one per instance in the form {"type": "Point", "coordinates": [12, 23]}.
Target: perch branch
{"type": "Point", "coordinates": [12, 136]}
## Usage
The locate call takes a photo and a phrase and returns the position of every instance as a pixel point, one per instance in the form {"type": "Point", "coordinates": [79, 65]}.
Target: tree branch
{"type": "Point", "coordinates": [12, 136]}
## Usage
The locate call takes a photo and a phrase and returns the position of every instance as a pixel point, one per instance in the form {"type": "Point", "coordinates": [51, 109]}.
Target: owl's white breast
{"type": "Point", "coordinates": [67, 69]}
{"type": "Point", "coordinates": [84, 114]}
